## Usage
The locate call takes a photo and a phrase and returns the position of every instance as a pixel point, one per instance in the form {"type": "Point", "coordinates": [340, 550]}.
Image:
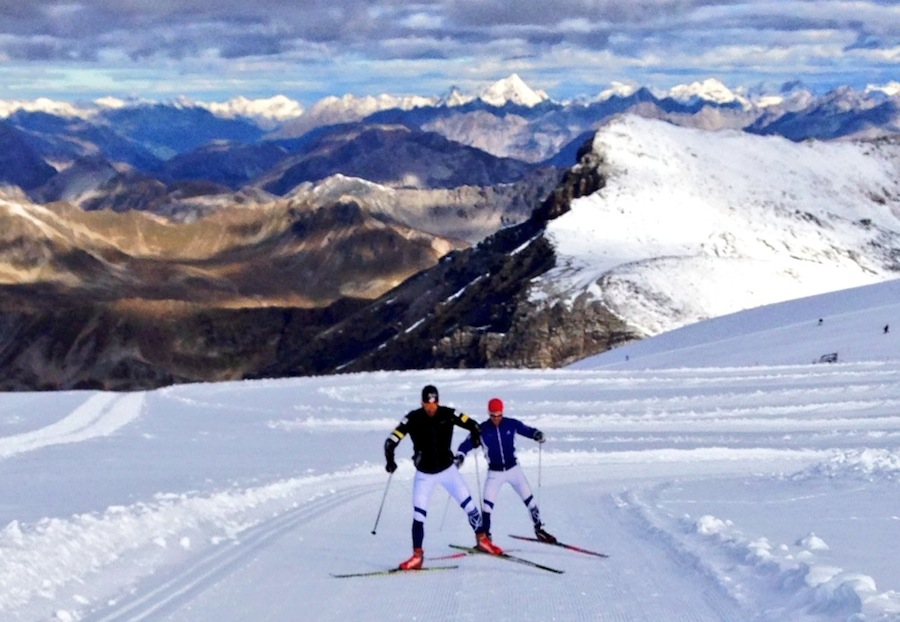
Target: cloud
{"type": "Point", "coordinates": [338, 42]}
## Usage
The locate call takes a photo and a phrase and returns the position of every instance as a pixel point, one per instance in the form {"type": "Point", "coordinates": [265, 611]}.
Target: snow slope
{"type": "Point", "coordinates": [695, 224]}
{"type": "Point", "coordinates": [755, 488]}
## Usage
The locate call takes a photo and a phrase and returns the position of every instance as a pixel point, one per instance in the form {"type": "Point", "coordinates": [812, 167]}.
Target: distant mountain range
{"type": "Point", "coordinates": [506, 119]}
{"type": "Point", "coordinates": [144, 243]}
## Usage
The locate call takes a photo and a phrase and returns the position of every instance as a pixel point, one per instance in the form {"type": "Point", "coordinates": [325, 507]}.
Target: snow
{"type": "Point", "coordinates": [267, 112]}
{"type": "Point", "coordinates": [711, 90]}
{"type": "Point", "coordinates": [761, 218]}
{"type": "Point", "coordinates": [512, 90]}
{"type": "Point", "coordinates": [726, 475]}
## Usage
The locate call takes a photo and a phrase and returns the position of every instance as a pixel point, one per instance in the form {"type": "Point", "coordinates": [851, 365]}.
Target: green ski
{"type": "Point", "coordinates": [508, 557]}
{"type": "Point", "coordinates": [378, 573]}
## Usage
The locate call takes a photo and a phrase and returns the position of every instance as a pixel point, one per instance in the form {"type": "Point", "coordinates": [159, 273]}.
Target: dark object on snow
{"type": "Point", "coordinates": [829, 358]}
{"type": "Point", "coordinates": [887, 328]}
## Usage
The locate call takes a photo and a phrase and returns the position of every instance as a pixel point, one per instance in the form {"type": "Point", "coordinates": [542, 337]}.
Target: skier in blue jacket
{"type": "Point", "coordinates": [498, 437]}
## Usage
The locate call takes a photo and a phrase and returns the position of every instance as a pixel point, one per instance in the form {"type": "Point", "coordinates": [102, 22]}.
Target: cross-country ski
{"type": "Point", "coordinates": [564, 545]}
{"type": "Point", "coordinates": [508, 557]}
{"type": "Point", "coordinates": [378, 573]}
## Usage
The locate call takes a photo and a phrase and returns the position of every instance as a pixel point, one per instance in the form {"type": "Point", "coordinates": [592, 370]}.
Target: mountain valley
{"type": "Point", "coordinates": [507, 231]}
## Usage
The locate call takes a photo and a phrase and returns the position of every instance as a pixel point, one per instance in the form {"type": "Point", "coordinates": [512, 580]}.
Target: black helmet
{"type": "Point", "coordinates": [429, 394]}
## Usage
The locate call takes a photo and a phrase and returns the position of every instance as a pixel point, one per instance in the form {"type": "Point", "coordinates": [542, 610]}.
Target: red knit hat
{"type": "Point", "coordinates": [495, 405]}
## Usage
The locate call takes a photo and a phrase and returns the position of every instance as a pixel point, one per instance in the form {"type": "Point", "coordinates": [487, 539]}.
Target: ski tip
{"type": "Point", "coordinates": [564, 545]}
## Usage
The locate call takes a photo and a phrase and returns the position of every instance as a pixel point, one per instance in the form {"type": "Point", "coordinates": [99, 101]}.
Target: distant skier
{"type": "Point", "coordinates": [498, 434]}
{"type": "Point", "coordinates": [887, 328]}
{"type": "Point", "coordinates": [431, 430]}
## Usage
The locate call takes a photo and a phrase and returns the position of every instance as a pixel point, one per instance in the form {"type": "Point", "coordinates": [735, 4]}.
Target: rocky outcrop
{"type": "Point", "coordinates": [470, 310]}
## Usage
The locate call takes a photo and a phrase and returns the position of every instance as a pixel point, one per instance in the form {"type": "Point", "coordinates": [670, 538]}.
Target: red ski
{"type": "Point", "coordinates": [571, 547]}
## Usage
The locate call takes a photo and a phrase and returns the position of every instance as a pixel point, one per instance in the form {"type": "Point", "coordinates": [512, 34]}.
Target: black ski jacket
{"type": "Point", "coordinates": [431, 437]}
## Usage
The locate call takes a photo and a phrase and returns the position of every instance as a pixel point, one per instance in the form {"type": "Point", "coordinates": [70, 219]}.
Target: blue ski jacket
{"type": "Point", "coordinates": [500, 442]}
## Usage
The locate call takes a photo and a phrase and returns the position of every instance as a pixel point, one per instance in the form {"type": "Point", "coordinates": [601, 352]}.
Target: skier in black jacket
{"type": "Point", "coordinates": [431, 430]}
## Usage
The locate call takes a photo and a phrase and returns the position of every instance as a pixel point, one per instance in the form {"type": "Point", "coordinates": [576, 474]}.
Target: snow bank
{"type": "Point", "coordinates": [42, 558]}
{"type": "Point", "coordinates": [796, 580]}
{"type": "Point", "coordinates": [867, 464]}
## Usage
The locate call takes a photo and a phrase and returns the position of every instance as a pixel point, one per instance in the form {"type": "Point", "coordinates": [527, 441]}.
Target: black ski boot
{"type": "Point", "coordinates": [542, 535]}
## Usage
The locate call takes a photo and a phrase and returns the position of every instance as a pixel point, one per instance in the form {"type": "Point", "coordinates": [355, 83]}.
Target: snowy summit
{"type": "Point", "coordinates": [710, 90]}
{"type": "Point", "coordinates": [512, 90]}
{"type": "Point", "coordinates": [762, 219]}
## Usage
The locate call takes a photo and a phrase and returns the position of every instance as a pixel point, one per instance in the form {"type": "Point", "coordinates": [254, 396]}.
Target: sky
{"type": "Point", "coordinates": [726, 476]}
{"type": "Point", "coordinates": [214, 50]}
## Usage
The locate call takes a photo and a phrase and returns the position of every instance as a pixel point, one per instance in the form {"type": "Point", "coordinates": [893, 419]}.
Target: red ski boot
{"type": "Point", "coordinates": [414, 562]}
{"type": "Point", "coordinates": [484, 544]}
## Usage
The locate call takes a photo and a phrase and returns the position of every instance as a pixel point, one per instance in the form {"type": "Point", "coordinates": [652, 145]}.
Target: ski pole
{"type": "Point", "coordinates": [380, 507]}
{"type": "Point", "coordinates": [478, 481]}
{"type": "Point", "coordinates": [540, 445]}
{"type": "Point", "coordinates": [444, 517]}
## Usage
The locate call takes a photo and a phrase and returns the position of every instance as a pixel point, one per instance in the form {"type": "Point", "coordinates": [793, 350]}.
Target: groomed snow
{"type": "Point", "coordinates": [751, 490]}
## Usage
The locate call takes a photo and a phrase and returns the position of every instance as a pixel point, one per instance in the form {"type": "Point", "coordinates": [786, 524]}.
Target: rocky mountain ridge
{"type": "Point", "coordinates": [151, 257]}
{"type": "Point", "coordinates": [644, 235]}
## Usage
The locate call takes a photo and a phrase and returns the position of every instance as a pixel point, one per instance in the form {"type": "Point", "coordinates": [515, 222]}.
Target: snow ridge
{"type": "Point", "coordinates": [771, 582]}
{"type": "Point", "coordinates": [762, 218]}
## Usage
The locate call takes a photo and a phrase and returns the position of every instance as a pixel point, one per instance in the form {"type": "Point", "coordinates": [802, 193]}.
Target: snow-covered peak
{"type": "Point", "coordinates": [268, 112]}
{"type": "Point", "coordinates": [790, 96]}
{"type": "Point", "coordinates": [277, 108]}
{"type": "Point", "coordinates": [335, 187]}
{"type": "Point", "coordinates": [891, 89]}
{"type": "Point", "coordinates": [710, 90]}
{"type": "Point", "coordinates": [348, 109]}
{"type": "Point", "coordinates": [353, 107]}
{"type": "Point", "coordinates": [112, 103]}
{"type": "Point", "coordinates": [454, 97]}
{"type": "Point", "coordinates": [763, 219]}
{"type": "Point", "coordinates": [845, 98]}
{"type": "Point", "coordinates": [42, 104]}
{"type": "Point", "coordinates": [512, 90]}
{"type": "Point", "coordinates": [617, 89]}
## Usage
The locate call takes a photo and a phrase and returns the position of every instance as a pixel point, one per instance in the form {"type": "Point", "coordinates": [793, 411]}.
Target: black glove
{"type": "Point", "coordinates": [389, 446]}
{"type": "Point", "coordinates": [539, 436]}
{"type": "Point", "coordinates": [458, 460]}
{"type": "Point", "coordinates": [476, 438]}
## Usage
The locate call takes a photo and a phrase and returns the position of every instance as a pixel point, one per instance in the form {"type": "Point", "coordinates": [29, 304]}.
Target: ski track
{"type": "Point", "coordinates": [161, 596]}
{"type": "Point", "coordinates": [613, 589]}
{"type": "Point", "coordinates": [660, 567]}
{"type": "Point", "coordinates": [100, 415]}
